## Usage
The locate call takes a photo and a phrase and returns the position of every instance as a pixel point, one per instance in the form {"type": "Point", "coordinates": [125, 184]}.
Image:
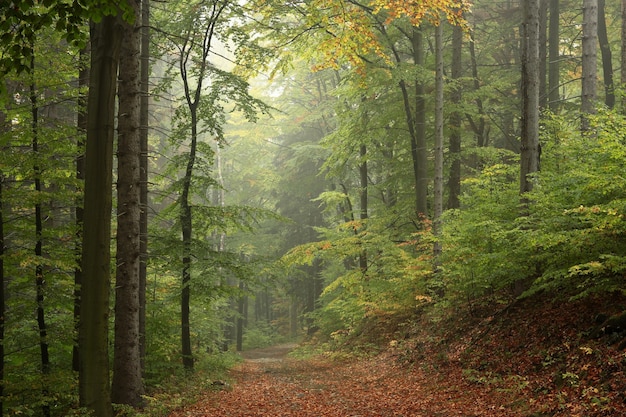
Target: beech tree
{"type": "Point", "coordinates": [589, 61]}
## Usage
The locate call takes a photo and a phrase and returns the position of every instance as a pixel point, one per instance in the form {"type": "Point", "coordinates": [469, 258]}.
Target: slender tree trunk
{"type": "Point", "coordinates": [554, 57]}
{"type": "Point", "coordinates": [240, 316]}
{"type": "Point", "coordinates": [543, 54]}
{"type": "Point", "coordinates": [39, 277]}
{"type": "Point", "coordinates": [530, 95]}
{"type": "Point", "coordinates": [623, 51]}
{"type": "Point", "coordinates": [127, 385]}
{"type": "Point", "coordinates": [186, 225]}
{"type": "Point", "coordinates": [589, 63]}
{"type": "Point", "coordinates": [2, 294]}
{"type": "Point", "coordinates": [456, 72]}
{"type": "Point", "coordinates": [94, 386]}
{"type": "Point", "coordinates": [420, 147]}
{"type": "Point", "coordinates": [83, 82]}
{"type": "Point", "coordinates": [192, 99]}
{"type": "Point", "coordinates": [364, 203]}
{"type": "Point", "coordinates": [438, 184]}
{"type": "Point", "coordinates": [607, 57]}
{"type": "Point", "coordinates": [480, 128]}
{"type": "Point", "coordinates": [143, 174]}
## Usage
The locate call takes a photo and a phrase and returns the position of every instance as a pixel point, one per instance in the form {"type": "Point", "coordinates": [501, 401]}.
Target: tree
{"type": "Point", "coordinates": [39, 268]}
{"type": "Point", "coordinates": [589, 63]}
{"type": "Point", "coordinates": [127, 384]}
{"type": "Point", "coordinates": [438, 185]}
{"type": "Point", "coordinates": [530, 150]}
{"type": "Point", "coordinates": [94, 387]}
{"type": "Point", "coordinates": [143, 174]}
{"type": "Point", "coordinates": [553, 57]}
{"type": "Point", "coordinates": [607, 56]}
{"type": "Point", "coordinates": [456, 71]}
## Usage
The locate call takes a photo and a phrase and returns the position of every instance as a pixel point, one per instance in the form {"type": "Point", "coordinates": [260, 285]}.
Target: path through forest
{"type": "Point", "coordinates": [268, 383]}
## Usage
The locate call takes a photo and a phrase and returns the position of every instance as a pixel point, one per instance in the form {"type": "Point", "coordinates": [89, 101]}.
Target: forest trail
{"type": "Point", "coordinates": [268, 383]}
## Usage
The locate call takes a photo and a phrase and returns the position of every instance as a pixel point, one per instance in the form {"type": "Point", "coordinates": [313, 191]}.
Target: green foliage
{"type": "Point", "coordinates": [572, 235]}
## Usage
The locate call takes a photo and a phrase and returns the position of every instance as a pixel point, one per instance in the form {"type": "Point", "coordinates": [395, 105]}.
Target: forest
{"type": "Point", "coordinates": [185, 180]}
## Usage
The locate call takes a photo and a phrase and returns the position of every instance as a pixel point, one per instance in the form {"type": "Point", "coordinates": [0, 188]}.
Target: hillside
{"type": "Point", "coordinates": [532, 358]}
{"type": "Point", "coordinates": [550, 356]}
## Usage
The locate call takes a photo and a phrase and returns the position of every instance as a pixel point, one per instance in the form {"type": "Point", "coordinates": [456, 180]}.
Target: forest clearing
{"type": "Point", "coordinates": [537, 359]}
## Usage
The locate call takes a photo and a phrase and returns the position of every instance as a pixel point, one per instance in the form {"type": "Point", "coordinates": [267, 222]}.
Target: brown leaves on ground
{"type": "Point", "coordinates": [366, 388]}
{"type": "Point", "coordinates": [534, 358]}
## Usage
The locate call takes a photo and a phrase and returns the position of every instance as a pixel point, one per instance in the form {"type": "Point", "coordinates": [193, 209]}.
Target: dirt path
{"type": "Point", "coordinates": [269, 384]}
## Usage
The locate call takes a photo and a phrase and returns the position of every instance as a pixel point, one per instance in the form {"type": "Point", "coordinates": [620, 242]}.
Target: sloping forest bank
{"type": "Point", "coordinates": [540, 356]}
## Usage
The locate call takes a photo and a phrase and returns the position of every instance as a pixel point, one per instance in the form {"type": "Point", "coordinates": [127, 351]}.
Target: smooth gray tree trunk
{"type": "Point", "coordinates": [589, 61]}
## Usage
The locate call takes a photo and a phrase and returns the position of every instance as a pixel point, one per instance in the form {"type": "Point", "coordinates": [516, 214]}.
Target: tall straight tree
{"type": "Point", "coordinates": [438, 185]}
{"type": "Point", "coordinates": [623, 52]}
{"type": "Point", "coordinates": [143, 174]}
{"type": "Point", "coordinates": [589, 61]}
{"type": "Point", "coordinates": [607, 56]}
{"type": "Point", "coordinates": [2, 294]}
{"type": "Point", "coordinates": [553, 57]}
{"type": "Point", "coordinates": [39, 275]}
{"type": "Point", "coordinates": [127, 385]}
{"type": "Point", "coordinates": [94, 386]}
{"type": "Point", "coordinates": [456, 71]}
{"type": "Point", "coordinates": [529, 157]}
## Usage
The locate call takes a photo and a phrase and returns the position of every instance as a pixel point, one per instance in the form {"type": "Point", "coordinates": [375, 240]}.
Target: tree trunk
{"type": "Point", "coordinates": [127, 387]}
{"type": "Point", "coordinates": [363, 202]}
{"type": "Point", "coordinates": [589, 64]}
{"type": "Point", "coordinates": [438, 185]}
{"type": "Point", "coordinates": [240, 316]}
{"type": "Point", "coordinates": [554, 57]}
{"type": "Point", "coordinates": [39, 277]}
{"type": "Point", "coordinates": [480, 129]}
{"type": "Point", "coordinates": [83, 82]}
{"type": "Point", "coordinates": [94, 387]}
{"type": "Point", "coordinates": [2, 294]}
{"type": "Point", "coordinates": [543, 53]}
{"type": "Point", "coordinates": [529, 157]}
{"type": "Point", "coordinates": [607, 58]}
{"type": "Point", "coordinates": [456, 72]}
{"type": "Point", "coordinates": [143, 174]}
{"type": "Point", "coordinates": [420, 147]}
{"type": "Point", "coordinates": [623, 51]}
{"type": "Point", "coordinates": [186, 225]}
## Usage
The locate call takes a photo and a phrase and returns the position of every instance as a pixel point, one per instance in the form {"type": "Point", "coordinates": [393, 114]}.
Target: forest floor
{"type": "Point", "coordinates": [530, 359]}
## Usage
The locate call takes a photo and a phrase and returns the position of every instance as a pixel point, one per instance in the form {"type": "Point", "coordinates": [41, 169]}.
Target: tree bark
{"type": "Point", "coordinates": [420, 147]}
{"type": "Point", "coordinates": [143, 174]}
{"type": "Point", "coordinates": [39, 276]}
{"type": "Point", "coordinates": [543, 53]}
{"type": "Point", "coordinates": [363, 189]}
{"type": "Point", "coordinates": [623, 51]}
{"type": "Point", "coordinates": [2, 294]}
{"type": "Point", "coordinates": [529, 157]}
{"type": "Point", "coordinates": [127, 385]}
{"type": "Point", "coordinates": [456, 72]}
{"type": "Point", "coordinates": [94, 386]}
{"type": "Point", "coordinates": [554, 57]}
{"type": "Point", "coordinates": [83, 82]}
{"type": "Point", "coordinates": [607, 57]}
{"type": "Point", "coordinates": [438, 184]}
{"type": "Point", "coordinates": [589, 64]}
